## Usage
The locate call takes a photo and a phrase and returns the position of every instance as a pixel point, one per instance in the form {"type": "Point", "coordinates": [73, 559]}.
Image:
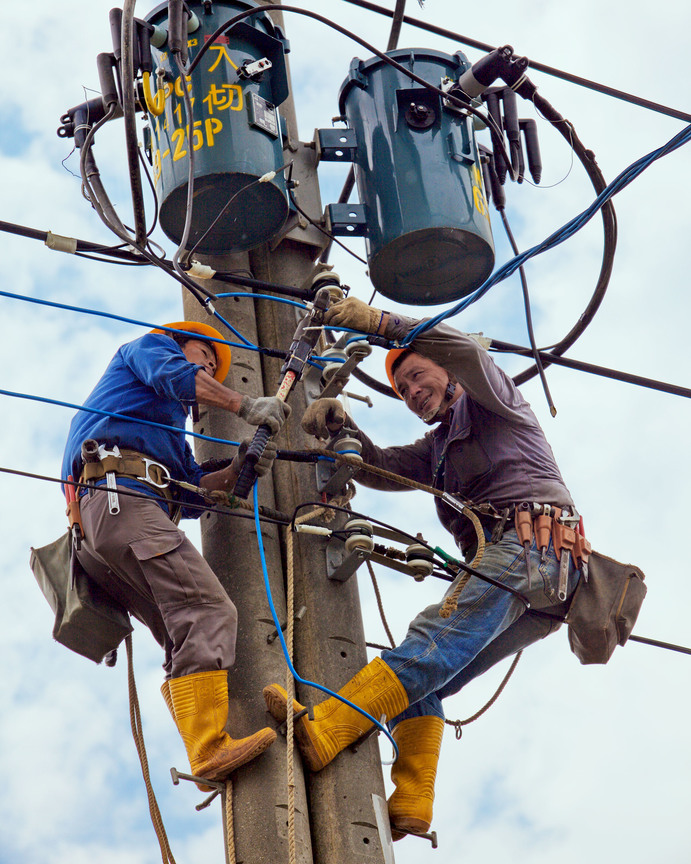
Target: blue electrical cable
{"type": "Point", "coordinates": [248, 343]}
{"type": "Point", "coordinates": [111, 315]}
{"type": "Point", "coordinates": [103, 413]}
{"type": "Point", "coordinates": [274, 615]}
{"type": "Point", "coordinates": [244, 344]}
{"type": "Point", "coordinates": [329, 359]}
{"type": "Point", "coordinates": [247, 295]}
{"type": "Point", "coordinates": [559, 236]}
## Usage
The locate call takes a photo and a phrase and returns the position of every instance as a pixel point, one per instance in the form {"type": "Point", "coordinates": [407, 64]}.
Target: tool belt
{"type": "Point", "coordinates": [134, 465]}
{"type": "Point", "coordinates": [563, 526]}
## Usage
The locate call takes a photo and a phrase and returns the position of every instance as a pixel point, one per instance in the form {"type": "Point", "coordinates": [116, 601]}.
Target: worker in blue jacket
{"type": "Point", "coordinates": [132, 546]}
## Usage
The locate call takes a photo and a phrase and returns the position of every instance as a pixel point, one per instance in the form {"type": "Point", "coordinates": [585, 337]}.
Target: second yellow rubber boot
{"type": "Point", "coordinates": [200, 708]}
{"type": "Point", "coordinates": [414, 772]}
{"type": "Point", "coordinates": [375, 688]}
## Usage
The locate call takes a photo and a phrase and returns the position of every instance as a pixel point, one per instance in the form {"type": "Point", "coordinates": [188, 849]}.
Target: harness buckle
{"type": "Point", "coordinates": [147, 478]}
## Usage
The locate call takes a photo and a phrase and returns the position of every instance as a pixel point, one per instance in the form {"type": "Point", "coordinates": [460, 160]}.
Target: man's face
{"type": "Point", "coordinates": [201, 353]}
{"type": "Point", "coordinates": [421, 384]}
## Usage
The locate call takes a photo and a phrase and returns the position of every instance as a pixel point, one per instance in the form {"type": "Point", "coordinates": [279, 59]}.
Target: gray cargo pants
{"type": "Point", "coordinates": [147, 563]}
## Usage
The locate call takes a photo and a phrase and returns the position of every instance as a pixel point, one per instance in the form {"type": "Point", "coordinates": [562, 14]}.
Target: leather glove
{"type": "Point", "coordinates": [355, 314]}
{"type": "Point", "coordinates": [265, 461]}
{"type": "Point", "coordinates": [267, 410]}
{"type": "Point", "coordinates": [324, 418]}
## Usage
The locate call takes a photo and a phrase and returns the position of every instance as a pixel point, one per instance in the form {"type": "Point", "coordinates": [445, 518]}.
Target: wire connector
{"type": "Point", "coordinates": [201, 271]}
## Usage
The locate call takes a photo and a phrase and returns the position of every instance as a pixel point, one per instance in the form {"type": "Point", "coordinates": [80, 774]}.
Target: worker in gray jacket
{"type": "Point", "coordinates": [487, 449]}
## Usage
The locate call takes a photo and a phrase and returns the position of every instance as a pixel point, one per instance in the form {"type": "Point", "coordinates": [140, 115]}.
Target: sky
{"type": "Point", "coordinates": [572, 762]}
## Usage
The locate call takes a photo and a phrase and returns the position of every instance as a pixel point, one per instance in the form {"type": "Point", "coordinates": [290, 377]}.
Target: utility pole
{"type": "Point", "coordinates": [335, 814]}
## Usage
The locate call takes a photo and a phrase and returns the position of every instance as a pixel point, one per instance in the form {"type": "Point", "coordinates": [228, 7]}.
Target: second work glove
{"type": "Point", "coordinates": [263, 464]}
{"type": "Point", "coordinates": [266, 410]}
{"type": "Point", "coordinates": [324, 418]}
{"type": "Point", "coordinates": [354, 314]}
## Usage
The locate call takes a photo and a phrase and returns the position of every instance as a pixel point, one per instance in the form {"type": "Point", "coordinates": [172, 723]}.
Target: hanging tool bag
{"type": "Point", "coordinates": [604, 608]}
{"type": "Point", "coordinates": [87, 619]}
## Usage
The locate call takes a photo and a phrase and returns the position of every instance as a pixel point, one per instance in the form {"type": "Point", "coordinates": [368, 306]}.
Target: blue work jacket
{"type": "Point", "coordinates": [149, 379]}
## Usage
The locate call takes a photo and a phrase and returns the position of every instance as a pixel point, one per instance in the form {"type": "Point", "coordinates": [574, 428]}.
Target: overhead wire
{"type": "Point", "coordinates": [561, 234]}
{"type": "Point", "coordinates": [349, 183]}
{"type": "Point", "coordinates": [540, 67]}
{"type": "Point", "coordinates": [290, 521]}
{"type": "Point", "coordinates": [326, 233]}
{"type": "Point", "coordinates": [487, 119]}
{"type": "Point", "coordinates": [528, 315]}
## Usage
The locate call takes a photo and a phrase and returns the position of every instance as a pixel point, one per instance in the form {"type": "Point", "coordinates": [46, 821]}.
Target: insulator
{"type": "Point", "coordinates": [359, 533]}
{"type": "Point", "coordinates": [361, 346]}
{"type": "Point", "coordinates": [348, 444]}
{"type": "Point", "coordinates": [420, 559]}
{"type": "Point", "coordinates": [334, 355]}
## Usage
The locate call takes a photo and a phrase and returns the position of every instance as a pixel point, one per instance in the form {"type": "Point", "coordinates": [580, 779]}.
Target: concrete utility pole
{"type": "Point", "coordinates": [335, 818]}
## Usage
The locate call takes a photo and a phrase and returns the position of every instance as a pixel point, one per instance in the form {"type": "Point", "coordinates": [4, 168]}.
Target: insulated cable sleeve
{"type": "Point", "coordinates": [128, 72]}
{"type": "Point", "coordinates": [247, 474]}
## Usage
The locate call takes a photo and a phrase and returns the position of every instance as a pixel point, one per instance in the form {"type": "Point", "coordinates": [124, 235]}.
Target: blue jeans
{"type": "Point", "coordinates": [439, 656]}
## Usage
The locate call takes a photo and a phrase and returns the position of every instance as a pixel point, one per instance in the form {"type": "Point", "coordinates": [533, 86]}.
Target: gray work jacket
{"type": "Point", "coordinates": [490, 448]}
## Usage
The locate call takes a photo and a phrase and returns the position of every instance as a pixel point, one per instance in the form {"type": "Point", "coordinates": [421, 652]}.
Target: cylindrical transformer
{"type": "Point", "coordinates": [419, 177]}
{"type": "Point", "coordinates": [235, 130]}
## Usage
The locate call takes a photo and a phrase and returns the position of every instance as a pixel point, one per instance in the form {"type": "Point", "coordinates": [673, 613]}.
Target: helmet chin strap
{"type": "Point", "coordinates": [436, 415]}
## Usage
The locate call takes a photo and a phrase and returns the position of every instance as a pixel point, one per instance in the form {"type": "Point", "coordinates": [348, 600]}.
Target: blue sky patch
{"type": "Point", "coordinates": [14, 137]}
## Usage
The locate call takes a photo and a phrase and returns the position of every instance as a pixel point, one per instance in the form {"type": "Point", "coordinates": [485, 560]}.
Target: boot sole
{"type": "Point", "coordinates": [278, 708]}
{"type": "Point", "coordinates": [261, 741]}
{"type": "Point", "coordinates": [409, 825]}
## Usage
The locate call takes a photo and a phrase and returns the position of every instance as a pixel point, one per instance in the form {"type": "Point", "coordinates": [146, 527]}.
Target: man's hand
{"type": "Point", "coordinates": [265, 461]}
{"type": "Point", "coordinates": [268, 410]}
{"type": "Point", "coordinates": [224, 481]}
{"type": "Point", "coordinates": [324, 418]}
{"type": "Point", "coordinates": [355, 314]}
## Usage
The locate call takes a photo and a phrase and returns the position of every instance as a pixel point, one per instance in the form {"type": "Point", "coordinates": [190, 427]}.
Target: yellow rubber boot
{"type": "Point", "coordinates": [200, 709]}
{"type": "Point", "coordinates": [419, 743]}
{"type": "Point", "coordinates": [375, 688]}
{"type": "Point", "coordinates": [165, 692]}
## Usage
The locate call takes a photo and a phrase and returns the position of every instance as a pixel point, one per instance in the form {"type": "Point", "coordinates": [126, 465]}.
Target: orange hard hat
{"type": "Point", "coordinates": [392, 357]}
{"type": "Point", "coordinates": [205, 332]}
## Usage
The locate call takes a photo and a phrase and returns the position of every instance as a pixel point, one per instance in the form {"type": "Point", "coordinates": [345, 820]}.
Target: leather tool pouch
{"type": "Point", "coordinates": [604, 609]}
{"type": "Point", "coordinates": [87, 619]}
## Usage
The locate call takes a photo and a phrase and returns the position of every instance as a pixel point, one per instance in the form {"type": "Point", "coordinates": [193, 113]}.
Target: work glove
{"type": "Point", "coordinates": [355, 314]}
{"type": "Point", "coordinates": [266, 410]}
{"type": "Point", "coordinates": [324, 418]}
{"type": "Point", "coordinates": [265, 461]}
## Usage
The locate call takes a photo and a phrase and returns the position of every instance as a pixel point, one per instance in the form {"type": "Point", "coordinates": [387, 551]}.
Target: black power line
{"type": "Point", "coordinates": [540, 67]}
